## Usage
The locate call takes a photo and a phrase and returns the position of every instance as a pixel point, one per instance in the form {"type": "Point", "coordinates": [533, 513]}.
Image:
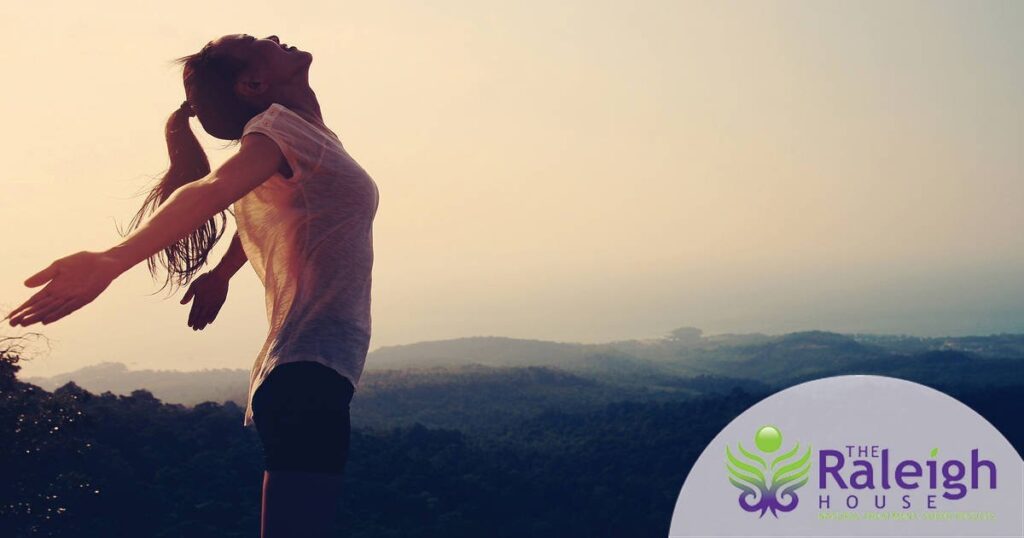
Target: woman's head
{"type": "Point", "coordinates": [235, 77]}
{"type": "Point", "coordinates": [228, 82]}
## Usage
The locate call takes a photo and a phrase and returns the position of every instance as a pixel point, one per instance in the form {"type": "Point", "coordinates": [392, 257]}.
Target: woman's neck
{"type": "Point", "coordinates": [303, 102]}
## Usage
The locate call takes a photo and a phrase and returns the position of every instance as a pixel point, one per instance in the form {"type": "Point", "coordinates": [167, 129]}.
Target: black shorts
{"type": "Point", "coordinates": [301, 411]}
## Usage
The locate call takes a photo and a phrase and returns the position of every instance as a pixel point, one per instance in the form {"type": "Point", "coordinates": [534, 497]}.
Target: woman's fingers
{"type": "Point", "coordinates": [32, 306]}
{"type": "Point", "coordinates": [210, 316]}
{"type": "Point", "coordinates": [29, 303]}
{"type": "Point", "coordinates": [41, 313]}
{"type": "Point", "coordinates": [204, 318]}
{"type": "Point", "coordinates": [64, 309]}
{"type": "Point", "coordinates": [42, 276]}
{"type": "Point", "coordinates": [213, 312]}
{"type": "Point", "coordinates": [194, 292]}
{"type": "Point", "coordinates": [37, 279]}
{"type": "Point", "coordinates": [193, 314]}
{"type": "Point", "coordinates": [198, 314]}
{"type": "Point", "coordinates": [43, 302]}
{"type": "Point", "coordinates": [188, 294]}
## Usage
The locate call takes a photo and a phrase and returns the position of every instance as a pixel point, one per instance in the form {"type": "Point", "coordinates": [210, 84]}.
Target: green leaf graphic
{"type": "Point", "coordinates": [794, 471]}
{"type": "Point", "coordinates": [786, 456]}
{"type": "Point", "coordinates": [743, 471]}
{"type": "Point", "coordinates": [753, 457]}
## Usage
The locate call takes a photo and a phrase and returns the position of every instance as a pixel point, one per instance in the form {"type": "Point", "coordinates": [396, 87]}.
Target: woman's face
{"type": "Point", "coordinates": [277, 61]}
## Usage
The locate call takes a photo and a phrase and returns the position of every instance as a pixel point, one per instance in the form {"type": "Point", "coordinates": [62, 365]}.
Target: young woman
{"type": "Point", "coordinates": [304, 211]}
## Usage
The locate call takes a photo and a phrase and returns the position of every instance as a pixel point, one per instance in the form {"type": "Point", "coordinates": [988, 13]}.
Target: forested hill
{"type": "Point", "coordinates": [526, 452]}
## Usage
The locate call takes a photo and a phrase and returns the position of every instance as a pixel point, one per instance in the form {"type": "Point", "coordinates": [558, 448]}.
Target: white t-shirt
{"type": "Point", "coordinates": [309, 237]}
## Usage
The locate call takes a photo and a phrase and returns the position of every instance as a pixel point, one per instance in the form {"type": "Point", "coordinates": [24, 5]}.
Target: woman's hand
{"type": "Point", "coordinates": [210, 291]}
{"type": "Point", "coordinates": [74, 281]}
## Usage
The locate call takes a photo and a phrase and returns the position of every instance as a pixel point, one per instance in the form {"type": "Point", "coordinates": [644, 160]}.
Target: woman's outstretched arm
{"type": "Point", "coordinates": [77, 279]}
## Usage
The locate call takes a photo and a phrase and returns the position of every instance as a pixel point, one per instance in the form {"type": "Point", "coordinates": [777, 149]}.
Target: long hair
{"type": "Point", "coordinates": [209, 77]}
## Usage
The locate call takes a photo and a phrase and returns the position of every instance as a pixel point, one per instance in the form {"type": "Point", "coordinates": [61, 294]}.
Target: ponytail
{"type": "Point", "coordinates": [209, 77]}
{"type": "Point", "coordinates": [185, 257]}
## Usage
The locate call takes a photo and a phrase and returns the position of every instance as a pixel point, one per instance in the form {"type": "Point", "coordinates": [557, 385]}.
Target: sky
{"type": "Point", "coordinates": [580, 171]}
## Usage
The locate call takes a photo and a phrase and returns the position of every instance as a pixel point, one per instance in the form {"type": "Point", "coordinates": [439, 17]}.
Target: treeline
{"type": "Point", "coordinates": [78, 464]}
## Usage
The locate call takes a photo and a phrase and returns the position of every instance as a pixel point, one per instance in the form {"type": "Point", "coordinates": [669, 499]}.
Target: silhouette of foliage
{"type": "Point", "coordinates": [79, 464]}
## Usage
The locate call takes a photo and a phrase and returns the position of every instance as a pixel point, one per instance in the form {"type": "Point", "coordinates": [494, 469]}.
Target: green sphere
{"type": "Point", "coordinates": [768, 439]}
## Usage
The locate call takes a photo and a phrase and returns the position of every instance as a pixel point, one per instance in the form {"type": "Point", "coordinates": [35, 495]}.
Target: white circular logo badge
{"type": "Point", "coordinates": [855, 455]}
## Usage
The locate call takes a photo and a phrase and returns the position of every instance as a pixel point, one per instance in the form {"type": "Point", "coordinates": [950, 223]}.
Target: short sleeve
{"type": "Point", "coordinates": [298, 145]}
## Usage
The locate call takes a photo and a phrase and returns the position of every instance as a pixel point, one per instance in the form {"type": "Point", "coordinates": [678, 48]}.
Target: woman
{"type": "Point", "coordinates": [304, 211]}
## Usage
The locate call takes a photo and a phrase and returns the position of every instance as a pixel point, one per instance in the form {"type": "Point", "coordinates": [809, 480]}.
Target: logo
{"type": "Point", "coordinates": [768, 482]}
{"type": "Point", "coordinates": [856, 455]}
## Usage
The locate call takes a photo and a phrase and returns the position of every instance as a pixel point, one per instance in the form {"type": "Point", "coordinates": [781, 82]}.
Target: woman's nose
{"type": "Point", "coordinates": [275, 39]}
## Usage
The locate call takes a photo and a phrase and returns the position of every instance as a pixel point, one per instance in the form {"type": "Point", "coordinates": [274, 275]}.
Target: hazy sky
{"type": "Point", "coordinates": [574, 170]}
